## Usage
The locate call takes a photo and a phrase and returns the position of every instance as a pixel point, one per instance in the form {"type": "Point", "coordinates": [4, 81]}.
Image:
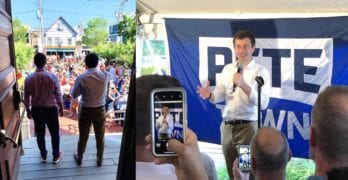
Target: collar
{"type": "Point", "coordinates": [250, 64]}
{"type": "Point", "coordinates": [91, 69]}
{"type": "Point", "coordinates": [40, 69]}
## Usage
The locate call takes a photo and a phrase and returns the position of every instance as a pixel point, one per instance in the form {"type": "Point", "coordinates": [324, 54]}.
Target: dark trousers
{"type": "Point", "coordinates": [87, 117]}
{"type": "Point", "coordinates": [42, 117]}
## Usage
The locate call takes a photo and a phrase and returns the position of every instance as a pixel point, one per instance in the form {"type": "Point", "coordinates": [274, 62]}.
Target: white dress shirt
{"type": "Point", "coordinates": [151, 171]}
{"type": "Point", "coordinates": [238, 104]}
{"type": "Point", "coordinates": [163, 128]}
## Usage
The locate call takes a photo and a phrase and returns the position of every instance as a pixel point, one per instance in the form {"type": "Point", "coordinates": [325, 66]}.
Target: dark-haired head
{"type": "Point", "coordinates": [144, 86]}
{"type": "Point", "coordinates": [242, 34]}
{"type": "Point", "coordinates": [40, 60]}
{"type": "Point", "coordinates": [91, 60]}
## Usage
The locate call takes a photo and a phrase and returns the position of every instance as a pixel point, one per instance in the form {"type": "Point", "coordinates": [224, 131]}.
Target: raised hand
{"type": "Point", "coordinates": [204, 92]}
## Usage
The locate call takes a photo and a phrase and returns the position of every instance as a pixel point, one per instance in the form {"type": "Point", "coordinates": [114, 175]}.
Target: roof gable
{"type": "Point", "coordinates": [64, 23]}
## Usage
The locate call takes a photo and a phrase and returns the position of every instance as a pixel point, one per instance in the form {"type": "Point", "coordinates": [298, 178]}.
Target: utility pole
{"type": "Point", "coordinates": [120, 9]}
{"type": "Point", "coordinates": [119, 16]}
{"type": "Point", "coordinates": [40, 17]}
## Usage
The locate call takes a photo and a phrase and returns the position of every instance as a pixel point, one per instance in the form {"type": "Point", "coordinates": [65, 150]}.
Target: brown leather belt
{"type": "Point", "coordinates": [236, 122]}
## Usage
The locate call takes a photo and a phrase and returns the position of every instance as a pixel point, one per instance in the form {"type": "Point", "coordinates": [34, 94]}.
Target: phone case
{"type": "Point", "coordinates": [159, 137]}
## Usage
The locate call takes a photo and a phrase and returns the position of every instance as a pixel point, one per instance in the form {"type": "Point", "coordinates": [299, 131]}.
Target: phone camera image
{"type": "Point", "coordinates": [244, 157]}
{"type": "Point", "coordinates": [167, 120]}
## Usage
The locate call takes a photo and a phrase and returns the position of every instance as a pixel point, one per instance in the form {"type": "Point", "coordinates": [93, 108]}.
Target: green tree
{"type": "Point", "coordinates": [127, 28]}
{"type": "Point", "coordinates": [24, 53]}
{"type": "Point", "coordinates": [121, 52]}
{"type": "Point", "coordinates": [19, 30]}
{"type": "Point", "coordinates": [106, 50]}
{"type": "Point", "coordinates": [96, 32]}
{"type": "Point", "coordinates": [125, 52]}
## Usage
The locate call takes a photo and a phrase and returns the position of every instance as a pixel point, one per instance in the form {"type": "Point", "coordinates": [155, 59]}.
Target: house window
{"type": "Point", "coordinates": [59, 26]}
{"type": "Point", "coordinates": [69, 41]}
{"type": "Point", "coordinates": [56, 41]}
{"type": "Point", "coordinates": [49, 41]}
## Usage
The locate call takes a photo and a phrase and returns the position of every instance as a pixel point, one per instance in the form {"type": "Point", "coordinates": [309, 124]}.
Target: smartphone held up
{"type": "Point", "coordinates": [168, 116]}
{"type": "Point", "coordinates": [244, 162]}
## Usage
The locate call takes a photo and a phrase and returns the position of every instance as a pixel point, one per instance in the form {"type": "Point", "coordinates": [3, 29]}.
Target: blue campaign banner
{"type": "Point", "coordinates": [303, 56]}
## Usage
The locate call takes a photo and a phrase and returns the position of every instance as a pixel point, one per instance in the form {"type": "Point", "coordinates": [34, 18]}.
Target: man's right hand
{"type": "Point", "coordinates": [204, 92]}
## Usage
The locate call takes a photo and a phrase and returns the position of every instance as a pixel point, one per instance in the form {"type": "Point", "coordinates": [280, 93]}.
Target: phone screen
{"type": "Point", "coordinates": [244, 158]}
{"type": "Point", "coordinates": [168, 118]}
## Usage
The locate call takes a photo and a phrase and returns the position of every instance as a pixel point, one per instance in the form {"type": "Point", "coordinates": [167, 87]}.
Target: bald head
{"type": "Point", "coordinates": [330, 123]}
{"type": "Point", "coordinates": [269, 150]}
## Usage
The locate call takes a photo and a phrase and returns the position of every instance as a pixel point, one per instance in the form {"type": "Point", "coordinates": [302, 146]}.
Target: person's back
{"type": "Point", "coordinates": [41, 96]}
{"type": "Point", "coordinates": [328, 134]}
{"type": "Point", "coordinates": [91, 85]}
{"type": "Point", "coordinates": [94, 83]}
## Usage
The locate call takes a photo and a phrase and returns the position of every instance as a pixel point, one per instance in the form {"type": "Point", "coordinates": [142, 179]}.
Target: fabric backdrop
{"type": "Point", "coordinates": [303, 56]}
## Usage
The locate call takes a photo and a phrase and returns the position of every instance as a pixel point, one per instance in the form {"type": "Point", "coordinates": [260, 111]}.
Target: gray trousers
{"type": "Point", "coordinates": [231, 137]}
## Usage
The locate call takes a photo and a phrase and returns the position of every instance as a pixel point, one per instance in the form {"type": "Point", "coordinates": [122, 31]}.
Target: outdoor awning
{"type": "Point", "coordinates": [60, 50]}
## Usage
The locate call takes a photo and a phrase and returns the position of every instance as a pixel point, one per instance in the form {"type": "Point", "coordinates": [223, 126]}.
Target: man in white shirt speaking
{"type": "Point", "coordinates": [238, 88]}
{"type": "Point", "coordinates": [165, 124]}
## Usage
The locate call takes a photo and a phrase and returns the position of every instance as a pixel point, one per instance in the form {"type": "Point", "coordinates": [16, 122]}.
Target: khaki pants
{"type": "Point", "coordinates": [87, 117]}
{"type": "Point", "coordinates": [231, 137]}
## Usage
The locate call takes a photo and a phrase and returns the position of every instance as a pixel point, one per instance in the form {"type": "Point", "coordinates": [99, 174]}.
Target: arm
{"type": "Point", "coordinates": [77, 88]}
{"type": "Point", "coordinates": [110, 97]}
{"type": "Point", "coordinates": [58, 96]}
{"type": "Point", "coordinates": [218, 94]}
{"type": "Point", "coordinates": [27, 98]}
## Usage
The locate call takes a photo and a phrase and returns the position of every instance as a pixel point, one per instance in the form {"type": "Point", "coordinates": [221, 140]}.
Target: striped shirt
{"type": "Point", "coordinates": [41, 89]}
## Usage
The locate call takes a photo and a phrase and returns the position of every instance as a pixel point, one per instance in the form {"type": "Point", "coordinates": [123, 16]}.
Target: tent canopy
{"type": "Point", "coordinates": [238, 6]}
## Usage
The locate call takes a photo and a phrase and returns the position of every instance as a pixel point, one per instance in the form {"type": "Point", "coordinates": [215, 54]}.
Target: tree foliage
{"type": "Point", "coordinates": [24, 53]}
{"type": "Point", "coordinates": [127, 28]}
{"type": "Point", "coordinates": [96, 32]}
{"type": "Point", "coordinates": [19, 31]}
{"type": "Point", "coordinates": [121, 52]}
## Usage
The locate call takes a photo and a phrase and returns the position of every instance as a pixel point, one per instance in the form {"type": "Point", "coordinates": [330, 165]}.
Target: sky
{"type": "Point", "coordinates": [73, 11]}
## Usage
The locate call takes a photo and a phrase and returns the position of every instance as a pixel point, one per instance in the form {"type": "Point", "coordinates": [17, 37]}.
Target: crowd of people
{"type": "Point", "coordinates": [76, 85]}
{"type": "Point", "coordinates": [68, 68]}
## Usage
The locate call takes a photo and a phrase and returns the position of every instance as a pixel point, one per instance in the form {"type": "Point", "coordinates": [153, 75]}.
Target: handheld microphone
{"type": "Point", "coordinates": [239, 69]}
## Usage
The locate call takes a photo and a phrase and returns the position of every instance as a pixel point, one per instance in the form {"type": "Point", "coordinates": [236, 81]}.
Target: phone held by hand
{"type": "Point", "coordinates": [168, 116]}
{"type": "Point", "coordinates": [244, 158]}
